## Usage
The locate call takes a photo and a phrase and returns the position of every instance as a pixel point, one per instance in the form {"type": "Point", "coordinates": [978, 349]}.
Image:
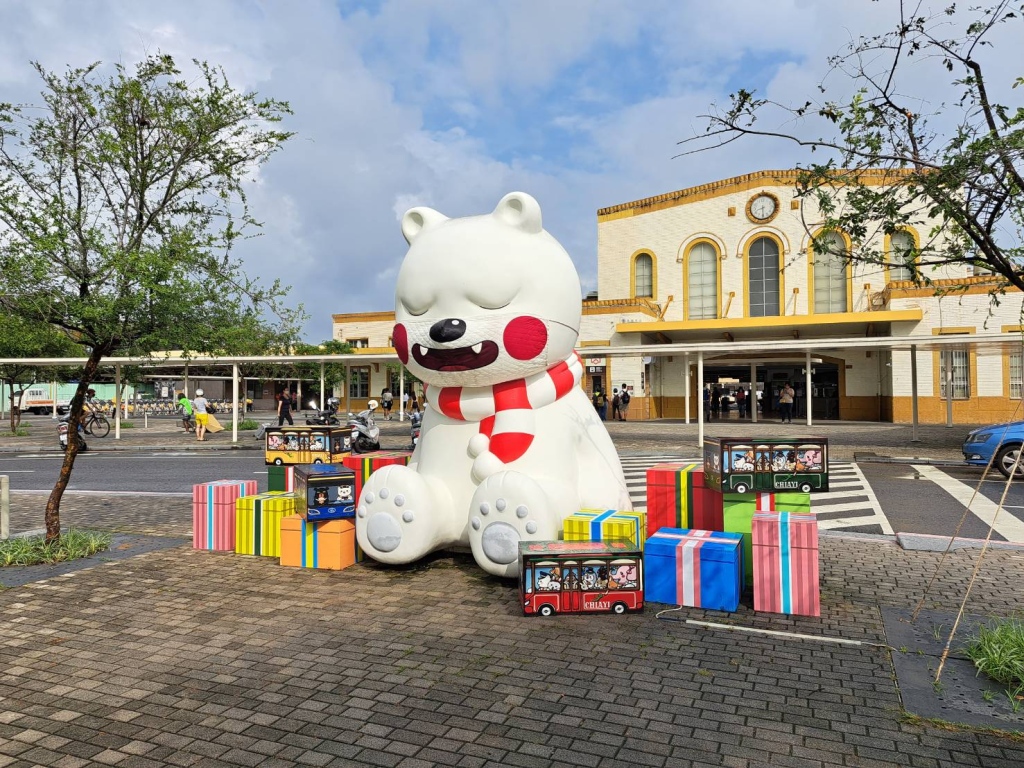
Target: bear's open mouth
{"type": "Point", "coordinates": [460, 359]}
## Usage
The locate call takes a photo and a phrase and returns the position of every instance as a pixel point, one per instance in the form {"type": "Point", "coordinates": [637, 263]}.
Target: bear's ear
{"type": "Point", "coordinates": [416, 220]}
{"type": "Point", "coordinates": [521, 211]}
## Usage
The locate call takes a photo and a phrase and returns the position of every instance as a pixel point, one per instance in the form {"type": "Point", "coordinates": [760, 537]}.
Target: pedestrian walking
{"type": "Point", "coordinates": [616, 401]}
{"type": "Point", "coordinates": [741, 403]}
{"type": "Point", "coordinates": [284, 409]}
{"type": "Point", "coordinates": [716, 401]}
{"type": "Point", "coordinates": [624, 398]}
{"type": "Point", "coordinates": [201, 407]}
{"type": "Point", "coordinates": [786, 403]}
{"type": "Point", "coordinates": [600, 404]}
{"type": "Point", "coordinates": [386, 400]}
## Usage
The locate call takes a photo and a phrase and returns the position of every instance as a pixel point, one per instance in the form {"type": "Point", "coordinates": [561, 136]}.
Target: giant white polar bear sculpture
{"type": "Point", "coordinates": [487, 312]}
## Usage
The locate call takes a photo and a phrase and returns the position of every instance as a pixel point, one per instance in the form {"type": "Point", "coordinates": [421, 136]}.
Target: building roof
{"type": "Point", "coordinates": [746, 182]}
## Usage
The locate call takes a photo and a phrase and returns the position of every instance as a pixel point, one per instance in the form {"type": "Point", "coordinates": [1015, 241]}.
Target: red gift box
{"type": "Point", "coordinates": [678, 498]}
{"type": "Point", "coordinates": [785, 548]}
{"type": "Point", "coordinates": [365, 464]}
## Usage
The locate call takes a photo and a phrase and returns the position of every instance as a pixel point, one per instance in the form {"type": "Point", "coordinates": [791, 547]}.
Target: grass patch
{"type": "Point", "coordinates": [33, 550]}
{"type": "Point", "coordinates": [127, 425]}
{"type": "Point", "coordinates": [247, 424]}
{"type": "Point", "coordinates": [19, 432]}
{"type": "Point", "coordinates": [998, 651]}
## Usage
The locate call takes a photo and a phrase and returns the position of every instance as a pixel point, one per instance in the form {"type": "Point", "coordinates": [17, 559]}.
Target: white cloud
{"type": "Point", "coordinates": [453, 103]}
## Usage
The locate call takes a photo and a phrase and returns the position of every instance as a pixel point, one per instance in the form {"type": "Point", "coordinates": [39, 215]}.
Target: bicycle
{"type": "Point", "coordinates": [96, 425]}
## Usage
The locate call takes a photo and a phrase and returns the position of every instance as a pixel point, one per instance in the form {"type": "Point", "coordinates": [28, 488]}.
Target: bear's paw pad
{"type": "Point", "coordinates": [394, 516]}
{"type": "Point", "coordinates": [508, 508]}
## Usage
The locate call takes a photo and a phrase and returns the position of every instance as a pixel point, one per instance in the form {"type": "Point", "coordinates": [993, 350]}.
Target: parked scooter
{"type": "Point", "coordinates": [415, 420]}
{"type": "Point", "coordinates": [365, 432]}
{"type": "Point", "coordinates": [326, 416]}
{"type": "Point", "coordinates": [63, 427]}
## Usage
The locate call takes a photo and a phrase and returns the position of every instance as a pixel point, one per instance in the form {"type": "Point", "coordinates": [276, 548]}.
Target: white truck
{"type": "Point", "coordinates": [38, 398]}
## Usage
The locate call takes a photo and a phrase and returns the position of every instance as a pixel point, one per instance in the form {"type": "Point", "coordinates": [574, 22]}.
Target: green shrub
{"type": "Point", "coordinates": [19, 432]}
{"type": "Point", "coordinates": [998, 651]}
{"type": "Point", "coordinates": [249, 424]}
{"type": "Point", "coordinates": [33, 550]}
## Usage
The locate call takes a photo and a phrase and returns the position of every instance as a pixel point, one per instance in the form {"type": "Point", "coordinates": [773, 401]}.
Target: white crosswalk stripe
{"type": "Point", "coordinates": [850, 504]}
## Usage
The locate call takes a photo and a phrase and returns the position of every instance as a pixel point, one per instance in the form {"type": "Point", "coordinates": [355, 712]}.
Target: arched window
{"type": "Point", "coordinates": [901, 256]}
{"type": "Point", "coordinates": [643, 276]}
{"type": "Point", "coordinates": [830, 279]}
{"type": "Point", "coordinates": [763, 277]}
{"type": "Point", "coordinates": [702, 282]}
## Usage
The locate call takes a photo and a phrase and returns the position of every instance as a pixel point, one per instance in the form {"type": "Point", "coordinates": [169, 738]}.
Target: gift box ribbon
{"type": "Point", "coordinates": [688, 556]}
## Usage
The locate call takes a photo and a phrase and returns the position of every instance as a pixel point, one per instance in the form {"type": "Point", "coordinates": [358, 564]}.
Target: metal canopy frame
{"type": "Point", "coordinates": [704, 351]}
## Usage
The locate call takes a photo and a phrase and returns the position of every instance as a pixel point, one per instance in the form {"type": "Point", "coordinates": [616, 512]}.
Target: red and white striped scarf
{"type": "Point", "coordinates": [505, 411]}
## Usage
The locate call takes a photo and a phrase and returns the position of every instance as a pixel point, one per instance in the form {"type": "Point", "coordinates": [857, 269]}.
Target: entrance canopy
{"type": "Point", "coordinates": [718, 352]}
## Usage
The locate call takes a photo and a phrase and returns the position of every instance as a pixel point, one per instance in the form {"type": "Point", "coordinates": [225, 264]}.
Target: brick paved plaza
{"type": "Point", "coordinates": [179, 657]}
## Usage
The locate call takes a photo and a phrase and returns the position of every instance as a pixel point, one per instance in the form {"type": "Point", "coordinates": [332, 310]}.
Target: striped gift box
{"type": "Point", "coordinates": [786, 563]}
{"type": "Point", "coordinates": [281, 478]}
{"type": "Point", "coordinates": [670, 495]}
{"type": "Point", "coordinates": [605, 525]}
{"type": "Point", "coordinates": [365, 464]}
{"type": "Point", "coordinates": [213, 513]}
{"type": "Point", "coordinates": [699, 569]}
{"type": "Point", "coordinates": [677, 497]}
{"type": "Point", "coordinates": [329, 544]}
{"type": "Point", "coordinates": [258, 522]}
{"type": "Point", "coordinates": [738, 512]}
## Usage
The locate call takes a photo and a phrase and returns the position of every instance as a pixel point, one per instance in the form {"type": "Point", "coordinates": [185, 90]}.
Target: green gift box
{"type": "Point", "coordinates": [738, 514]}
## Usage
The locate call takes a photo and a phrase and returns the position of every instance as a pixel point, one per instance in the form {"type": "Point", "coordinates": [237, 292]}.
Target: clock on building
{"type": "Point", "coordinates": [762, 207]}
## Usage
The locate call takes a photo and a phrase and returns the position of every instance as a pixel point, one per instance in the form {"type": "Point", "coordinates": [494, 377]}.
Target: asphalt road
{"type": "Point", "coordinates": [158, 472]}
{"type": "Point", "coordinates": [904, 498]}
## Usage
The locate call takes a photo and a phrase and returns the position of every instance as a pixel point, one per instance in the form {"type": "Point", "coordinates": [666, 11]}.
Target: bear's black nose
{"type": "Point", "coordinates": [447, 330]}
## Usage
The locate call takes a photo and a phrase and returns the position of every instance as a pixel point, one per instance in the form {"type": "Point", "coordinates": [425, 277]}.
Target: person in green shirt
{"type": "Point", "coordinates": [186, 411]}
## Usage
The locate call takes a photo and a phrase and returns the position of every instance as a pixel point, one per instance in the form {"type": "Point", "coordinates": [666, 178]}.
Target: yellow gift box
{"type": "Point", "coordinates": [606, 525]}
{"type": "Point", "coordinates": [258, 522]}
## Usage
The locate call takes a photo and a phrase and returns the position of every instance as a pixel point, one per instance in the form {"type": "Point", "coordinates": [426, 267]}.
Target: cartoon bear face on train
{"type": "Point", "coordinates": [484, 299]}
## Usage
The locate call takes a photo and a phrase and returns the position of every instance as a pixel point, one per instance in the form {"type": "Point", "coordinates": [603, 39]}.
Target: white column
{"type": "Point", "coordinates": [401, 392]}
{"type": "Point", "coordinates": [700, 411]}
{"type": "Point", "coordinates": [752, 405]}
{"type": "Point", "coordinates": [686, 363]}
{"type": "Point", "coordinates": [807, 384]}
{"type": "Point", "coordinates": [186, 380]}
{"type": "Point", "coordinates": [913, 391]}
{"type": "Point", "coordinates": [117, 401]}
{"type": "Point", "coordinates": [321, 385]}
{"type": "Point", "coordinates": [234, 403]}
{"type": "Point", "coordinates": [53, 397]}
{"type": "Point", "coordinates": [348, 380]}
{"type": "Point", "coordinates": [947, 375]}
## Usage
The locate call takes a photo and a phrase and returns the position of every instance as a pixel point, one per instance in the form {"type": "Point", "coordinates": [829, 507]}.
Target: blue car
{"type": "Point", "coordinates": [1004, 441]}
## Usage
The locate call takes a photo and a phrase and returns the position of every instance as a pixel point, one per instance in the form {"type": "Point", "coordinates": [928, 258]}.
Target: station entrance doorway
{"type": "Point", "coordinates": [771, 377]}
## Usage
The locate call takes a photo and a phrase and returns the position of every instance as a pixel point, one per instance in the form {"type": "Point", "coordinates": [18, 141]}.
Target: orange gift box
{"type": "Point", "coordinates": [326, 544]}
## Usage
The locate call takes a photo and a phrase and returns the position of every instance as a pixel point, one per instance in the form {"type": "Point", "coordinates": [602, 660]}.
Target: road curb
{"type": "Point", "coordinates": [871, 458]}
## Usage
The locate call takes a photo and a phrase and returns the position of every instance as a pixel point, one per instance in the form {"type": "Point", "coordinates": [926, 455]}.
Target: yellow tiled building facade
{"type": "Point", "coordinates": [733, 261]}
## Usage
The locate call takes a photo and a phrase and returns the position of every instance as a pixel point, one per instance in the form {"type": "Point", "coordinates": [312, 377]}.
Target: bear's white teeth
{"type": "Point", "coordinates": [477, 347]}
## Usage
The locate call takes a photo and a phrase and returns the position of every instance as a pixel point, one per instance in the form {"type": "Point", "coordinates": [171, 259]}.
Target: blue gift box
{"type": "Point", "coordinates": [325, 491]}
{"type": "Point", "coordinates": [700, 569]}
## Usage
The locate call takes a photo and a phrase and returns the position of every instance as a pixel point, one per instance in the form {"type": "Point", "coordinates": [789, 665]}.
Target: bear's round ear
{"type": "Point", "coordinates": [520, 210]}
{"type": "Point", "coordinates": [417, 219]}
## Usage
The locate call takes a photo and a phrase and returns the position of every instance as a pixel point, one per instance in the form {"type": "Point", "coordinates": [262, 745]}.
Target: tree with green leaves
{"type": "Point", "coordinates": [121, 198]}
{"type": "Point", "coordinates": [22, 339]}
{"type": "Point", "coordinates": [952, 169]}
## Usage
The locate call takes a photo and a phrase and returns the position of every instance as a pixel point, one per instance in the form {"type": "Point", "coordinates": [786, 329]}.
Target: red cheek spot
{"type": "Point", "coordinates": [525, 338]}
{"type": "Point", "coordinates": [400, 340]}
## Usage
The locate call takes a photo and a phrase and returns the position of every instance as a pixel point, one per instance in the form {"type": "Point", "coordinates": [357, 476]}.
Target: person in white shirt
{"type": "Point", "coordinates": [199, 405]}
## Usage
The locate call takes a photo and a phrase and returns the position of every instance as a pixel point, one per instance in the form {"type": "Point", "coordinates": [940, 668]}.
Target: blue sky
{"type": "Point", "coordinates": [453, 103]}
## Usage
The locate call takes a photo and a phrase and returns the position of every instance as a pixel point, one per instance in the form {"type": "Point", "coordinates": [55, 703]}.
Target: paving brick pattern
{"type": "Point", "coordinates": [186, 658]}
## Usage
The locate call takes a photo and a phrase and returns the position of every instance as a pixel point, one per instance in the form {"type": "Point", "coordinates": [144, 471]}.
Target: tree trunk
{"type": "Point", "coordinates": [74, 419]}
